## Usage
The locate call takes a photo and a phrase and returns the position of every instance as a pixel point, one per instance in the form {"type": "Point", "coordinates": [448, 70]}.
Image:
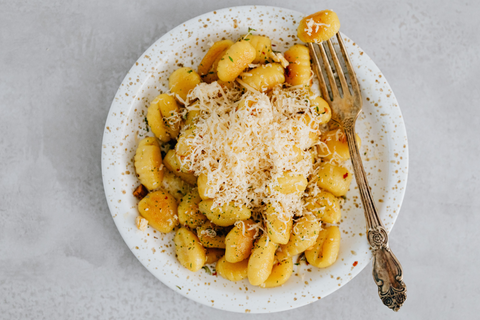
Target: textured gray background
{"type": "Point", "coordinates": [60, 66]}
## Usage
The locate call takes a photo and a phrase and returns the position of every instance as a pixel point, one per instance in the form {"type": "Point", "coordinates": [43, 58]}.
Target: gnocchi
{"type": "Point", "coordinates": [232, 271]}
{"type": "Point", "coordinates": [148, 163]}
{"type": "Point", "coordinates": [182, 81]}
{"type": "Point", "coordinates": [323, 111]}
{"type": "Point", "coordinates": [203, 187]}
{"type": "Point", "coordinates": [172, 163]}
{"type": "Point", "coordinates": [174, 184]}
{"type": "Point", "coordinates": [290, 183]}
{"type": "Point", "coordinates": [160, 209]}
{"type": "Point", "coordinates": [239, 241]}
{"type": "Point", "coordinates": [215, 51]}
{"type": "Point", "coordinates": [213, 255]}
{"type": "Point", "coordinates": [211, 236]}
{"type": "Point", "coordinates": [298, 72]}
{"type": "Point", "coordinates": [225, 215]}
{"type": "Point", "coordinates": [304, 234]}
{"type": "Point", "coordinates": [278, 224]}
{"type": "Point", "coordinates": [263, 48]}
{"type": "Point", "coordinates": [281, 272]}
{"type": "Point", "coordinates": [188, 249]}
{"type": "Point", "coordinates": [318, 27]}
{"type": "Point", "coordinates": [188, 212]}
{"type": "Point", "coordinates": [163, 117]}
{"type": "Point", "coordinates": [235, 59]}
{"type": "Point", "coordinates": [264, 77]}
{"type": "Point", "coordinates": [334, 179]}
{"type": "Point", "coordinates": [335, 147]}
{"type": "Point", "coordinates": [325, 206]}
{"type": "Point", "coordinates": [261, 260]}
{"type": "Point", "coordinates": [325, 251]}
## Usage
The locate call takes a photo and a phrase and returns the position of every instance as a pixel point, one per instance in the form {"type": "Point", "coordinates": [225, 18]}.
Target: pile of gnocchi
{"type": "Point", "coordinates": [257, 240]}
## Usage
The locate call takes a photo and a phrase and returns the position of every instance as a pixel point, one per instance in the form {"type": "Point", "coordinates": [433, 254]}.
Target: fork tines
{"type": "Point", "coordinates": [335, 94]}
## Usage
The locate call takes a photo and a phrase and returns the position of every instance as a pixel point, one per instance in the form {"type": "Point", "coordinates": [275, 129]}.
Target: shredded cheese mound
{"type": "Point", "coordinates": [244, 140]}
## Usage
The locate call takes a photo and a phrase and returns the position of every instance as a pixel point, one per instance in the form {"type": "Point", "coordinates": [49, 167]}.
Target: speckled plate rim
{"type": "Point", "coordinates": [374, 87]}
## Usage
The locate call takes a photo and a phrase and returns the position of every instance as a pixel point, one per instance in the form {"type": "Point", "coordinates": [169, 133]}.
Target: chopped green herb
{"type": "Point", "coordinates": [189, 71]}
{"type": "Point", "coordinates": [207, 270]}
{"type": "Point", "coordinates": [230, 58]}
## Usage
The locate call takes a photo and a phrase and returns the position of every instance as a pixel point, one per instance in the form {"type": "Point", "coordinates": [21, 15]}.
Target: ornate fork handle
{"type": "Point", "coordinates": [387, 271]}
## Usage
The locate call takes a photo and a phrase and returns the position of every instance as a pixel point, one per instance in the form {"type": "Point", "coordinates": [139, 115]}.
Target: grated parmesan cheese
{"type": "Point", "coordinates": [312, 24]}
{"type": "Point", "coordinates": [243, 151]}
{"type": "Point", "coordinates": [141, 223]}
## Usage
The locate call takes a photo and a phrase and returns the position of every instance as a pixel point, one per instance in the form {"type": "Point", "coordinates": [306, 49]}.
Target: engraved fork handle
{"type": "Point", "coordinates": [387, 271]}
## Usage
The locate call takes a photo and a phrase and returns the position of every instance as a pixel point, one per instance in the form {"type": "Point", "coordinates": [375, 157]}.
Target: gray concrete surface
{"type": "Point", "coordinates": [61, 63]}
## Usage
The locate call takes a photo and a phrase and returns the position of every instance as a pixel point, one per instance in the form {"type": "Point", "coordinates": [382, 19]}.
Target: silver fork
{"type": "Point", "coordinates": [387, 271]}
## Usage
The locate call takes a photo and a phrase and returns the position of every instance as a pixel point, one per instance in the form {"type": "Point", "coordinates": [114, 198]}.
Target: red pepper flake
{"type": "Point", "coordinates": [166, 198]}
{"type": "Point", "coordinates": [214, 274]}
{"type": "Point", "coordinates": [263, 52]}
{"type": "Point", "coordinates": [355, 263]}
{"type": "Point", "coordinates": [345, 175]}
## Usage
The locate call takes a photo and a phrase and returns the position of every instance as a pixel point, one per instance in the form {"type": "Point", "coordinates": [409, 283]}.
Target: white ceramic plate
{"type": "Point", "coordinates": [384, 150]}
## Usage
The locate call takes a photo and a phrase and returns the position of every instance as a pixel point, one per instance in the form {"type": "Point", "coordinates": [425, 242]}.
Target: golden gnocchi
{"type": "Point", "coordinates": [323, 111]}
{"type": "Point", "coordinates": [232, 271]}
{"type": "Point", "coordinates": [160, 210]}
{"type": "Point", "coordinates": [304, 234]}
{"type": "Point", "coordinates": [216, 50]}
{"type": "Point", "coordinates": [182, 81]}
{"type": "Point", "coordinates": [239, 241]}
{"type": "Point", "coordinates": [235, 60]}
{"type": "Point", "coordinates": [148, 163]}
{"type": "Point", "coordinates": [264, 77]}
{"type": "Point", "coordinates": [213, 255]}
{"type": "Point", "coordinates": [261, 260]}
{"type": "Point", "coordinates": [162, 117]}
{"type": "Point", "coordinates": [334, 179]}
{"type": "Point", "coordinates": [281, 272]}
{"type": "Point", "coordinates": [325, 206]}
{"type": "Point", "coordinates": [278, 224]}
{"type": "Point", "coordinates": [226, 214]}
{"type": "Point", "coordinates": [325, 251]}
{"type": "Point", "coordinates": [172, 163]}
{"type": "Point", "coordinates": [174, 184]}
{"type": "Point", "coordinates": [190, 253]}
{"type": "Point", "coordinates": [211, 236]}
{"type": "Point", "coordinates": [188, 212]}
{"type": "Point", "coordinates": [334, 146]}
{"type": "Point", "coordinates": [289, 183]}
{"type": "Point", "coordinates": [263, 48]}
{"type": "Point", "coordinates": [298, 72]}
{"type": "Point", "coordinates": [318, 27]}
